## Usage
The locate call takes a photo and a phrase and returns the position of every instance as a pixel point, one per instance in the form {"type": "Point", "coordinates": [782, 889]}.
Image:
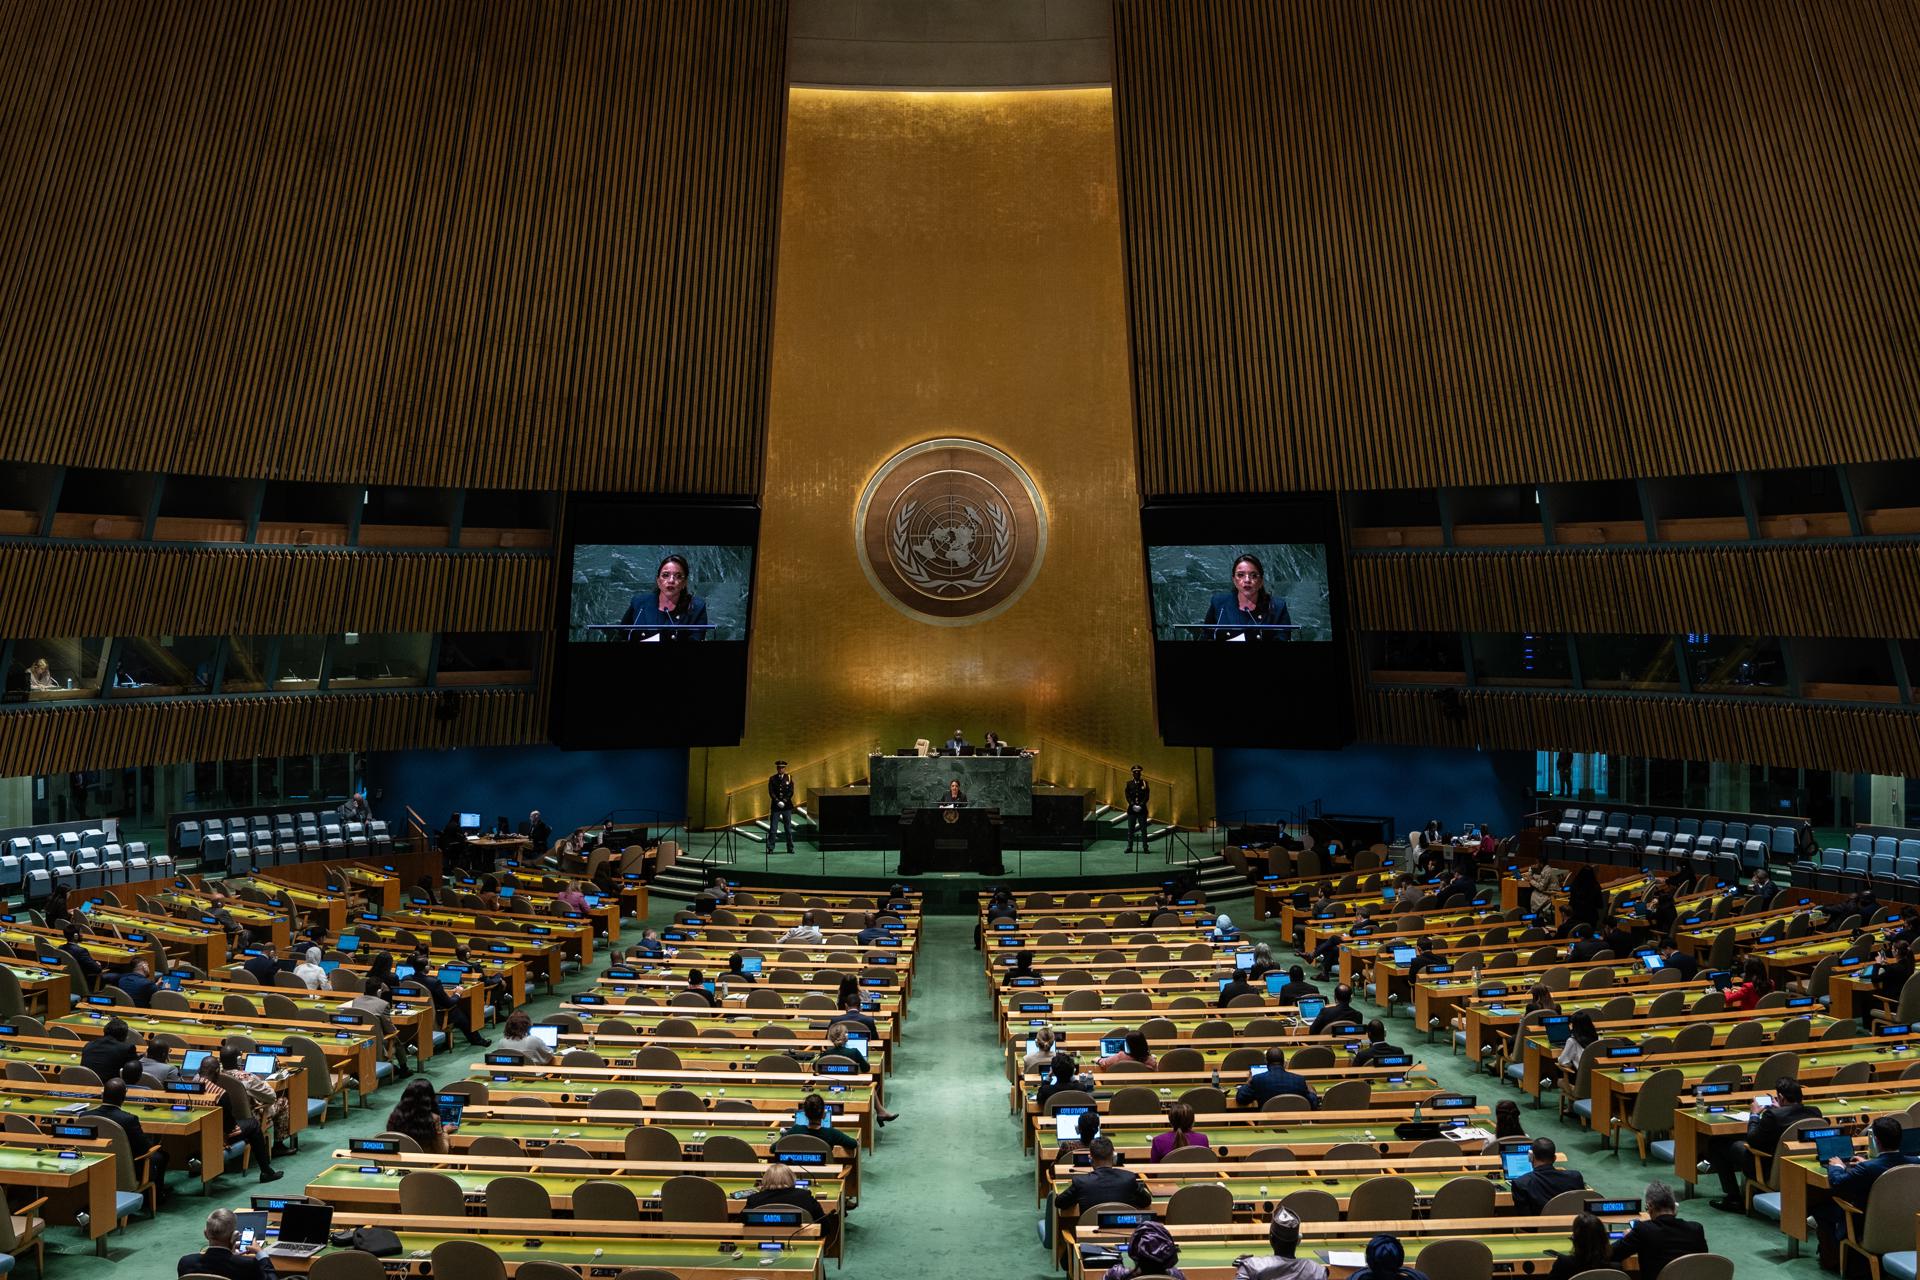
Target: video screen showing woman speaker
{"type": "Point", "coordinates": [1260, 594]}
{"type": "Point", "coordinates": [659, 593]}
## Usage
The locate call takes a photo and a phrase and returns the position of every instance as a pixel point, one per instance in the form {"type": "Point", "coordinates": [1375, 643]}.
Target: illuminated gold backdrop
{"type": "Point", "coordinates": [949, 265]}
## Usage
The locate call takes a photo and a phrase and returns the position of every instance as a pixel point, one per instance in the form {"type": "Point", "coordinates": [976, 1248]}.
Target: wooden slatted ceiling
{"type": "Point", "coordinates": [1374, 244]}
{"type": "Point", "coordinates": [42, 740]}
{"type": "Point", "coordinates": [1856, 589]}
{"type": "Point", "coordinates": [1863, 739]}
{"type": "Point", "coordinates": [149, 591]}
{"type": "Point", "coordinates": [514, 244]}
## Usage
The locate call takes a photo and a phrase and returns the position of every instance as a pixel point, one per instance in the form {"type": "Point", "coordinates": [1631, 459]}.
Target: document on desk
{"type": "Point", "coordinates": [1342, 1259]}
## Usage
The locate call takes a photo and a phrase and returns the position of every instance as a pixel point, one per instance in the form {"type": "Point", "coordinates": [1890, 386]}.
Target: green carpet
{"type": "Point", "coordinates": [947, 1190]}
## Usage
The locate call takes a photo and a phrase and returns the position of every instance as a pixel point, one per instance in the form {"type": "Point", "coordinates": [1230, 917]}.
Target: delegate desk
{"type": "Point", "coordinates": [690, 1250]}
{"type": "Point", "coordinates": [185, 1124]}
{"type": "Point", "coordinates": [643, 1025]}
{"type": "Point", "coordinates": [74, 1175]}
{"type": "Point", "coordinates": [1406, 1087]}
{"type": "Point", "coordinates": [726, 1053]}
{"type": "Point", "coordinates": [1307, 1135]}
{"type": "Point", "coordinates": [348, 1049]}
{"type": "Point", "coordinates": [1537, 1050]}
{"type": "Point", "coordinates": [1520, 1246]}
{"type": "Point", "coordinates": [1615, 1080]}
{"type": "Point", "coordinates": [1490, 1017]}
{"type": "Point", "coordinates": [320, 907]}
{"type": "Point", "coordinates": [348, 1186]}
{"type": "Point", "coordinates": [1846, 1106]}
{"type": "Point", "coordinates": [414, 1021]}
{"type": "Point", "coordinates": [45, 992]}
{"type": "Point", "coordinates": [1259, 1186]}
{"type": "Point", "coordinates": [776, 1093]}
{"type": "Point", "coordinates": [603, 1133]}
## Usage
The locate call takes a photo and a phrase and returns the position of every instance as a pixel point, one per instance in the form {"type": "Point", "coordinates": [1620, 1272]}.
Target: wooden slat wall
{"type": "Point", "coordinates": [1864, 739]}
{"type": "Point", "coordinates": [49, 591]}
{"type": "Point", "coordinates": [1858, 589]}
{"type": "Point", "coordinates": [519, 243]}
{"type": "Point", "coordinates": [1382, 243]}
{"type": "Point", "coordinates": [60, 739]}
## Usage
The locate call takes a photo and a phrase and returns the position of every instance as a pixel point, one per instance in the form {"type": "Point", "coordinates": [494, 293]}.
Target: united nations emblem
{"type": "Point", "coordinates": [950, 531]}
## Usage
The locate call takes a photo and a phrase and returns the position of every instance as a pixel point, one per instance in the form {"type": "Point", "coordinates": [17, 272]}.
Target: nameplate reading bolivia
{"type": "Point", "coordinates": [950, 531]}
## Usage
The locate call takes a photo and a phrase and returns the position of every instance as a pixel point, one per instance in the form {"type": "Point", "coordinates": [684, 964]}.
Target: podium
{"type": "Point", "coordinates": [950, 840]}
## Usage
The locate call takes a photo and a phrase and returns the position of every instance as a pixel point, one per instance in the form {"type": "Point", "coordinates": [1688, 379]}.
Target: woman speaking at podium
{"type": "Point", "coordinates": [671, 604]}
{"type": "Point", "coordinates": [1247, 603]}
{"type": "Point", "coordinates": [955, 797]}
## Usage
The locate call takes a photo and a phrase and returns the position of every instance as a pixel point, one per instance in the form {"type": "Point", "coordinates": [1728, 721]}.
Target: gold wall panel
{"type": "Point", "coordinates": [949, 266]}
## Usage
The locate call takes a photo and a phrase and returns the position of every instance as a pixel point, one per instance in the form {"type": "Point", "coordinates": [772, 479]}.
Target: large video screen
{"type": "Point", "coordinates": [653, 611]}
{"type": "Point", "coordinates": [1248, 640]}
{"type": "Point", "coordinates": [1254, 593]}
{"type": "Point", "coordinates": [659, 592]}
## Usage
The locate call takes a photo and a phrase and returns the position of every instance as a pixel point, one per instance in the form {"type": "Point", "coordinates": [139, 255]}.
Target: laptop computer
{"type": "Point", "coordinates": [546, 1033]}
{"type": "Point", "coordinates": [1310, 1007]}
{"type": "Point", "coordinates": [1654, 963]}
{"type": "Point", "coordinates": [1830, 1144]}
{"type": "Point", "coordinates": [859, 1044]}
{"type": "Point", "coordinates": [1066, 1123]}
{"type": "Point", "coordinates": [1110, 1045]}
{"type": "Point", "coordinates": [260, 1064]}
{"type": "Point", "coordinates": [347, 942]}
{"type": "Point", "coordinates": [752, 964]}
{"type": "Point", "coordinates": [191, 1060]}
{"type": "Point", "coordinates": [1405, 955]}
{"type": "Point", "coordinates": [1243, 960]}
{"type": "Point", "coordinates": [1276, 982]}
{"type": "Point", "coordinates": [451, 976]}
{"type": "Point", "coordinates": [451, 1105]}
{"type": "Point", "coordinates": [1558, 1028]}
{"type": "Point", "coordinates": [1515, 1164]}
{"type": "Point", "coordinates": [304, 1229]}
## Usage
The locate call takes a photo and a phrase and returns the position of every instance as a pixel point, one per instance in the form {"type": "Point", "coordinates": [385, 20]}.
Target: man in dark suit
{"type": "Point", "coordinates": [1103, 1183]}
{"type": "Point", "coordinates": [1531, 1193]}
{"type": "Point", "coordinates": [1236, 986]}
{"type": "Point", "coordinates": [113, 1100]}
{"type": "Point", "coordinates": [1341, 1010]}
{"type": "Point", "coordinates": [1275, 1081]}
{"type": "Point", "coordinates": [264, 966]}
{"type": "Point", "coordinates": [1764, 1127]}
{"type": "Point", "coordinates": [956, 744]}
{"type": "Point", "coordinates": [1681, 964]}
{"type": "Point", "coordinates": [537, 832]}
{"type": "Point", "coordinates": [219, 1259]}
{"type": "Point", "coordinates": [1585, 946]}
{"type": "Point", "coordinates": [1138, 794]}
{"type": "Point", "coordinates": [108, 1054]}
{"type": "Point", "coordinates": [459, 1016]}
{"type": "Point", "coordinates": [138, 983]}
{"type": "Point", "coordinates": [1376, 1046]}
{"type": "Point", "coordinates": [1662, 1235]}
{"type": "Point", "coordinates": [780, 794]}
{"type": "Point", "coordinates": [1852, 1181]}
{"type": "Point", "coordinates": [1297, 988]}
{"type": "Point", "coordinates": [1427, 957]}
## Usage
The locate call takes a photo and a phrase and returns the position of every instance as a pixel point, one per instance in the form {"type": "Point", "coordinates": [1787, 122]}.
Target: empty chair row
{"type": "Point", "coordinates": [37, 875]}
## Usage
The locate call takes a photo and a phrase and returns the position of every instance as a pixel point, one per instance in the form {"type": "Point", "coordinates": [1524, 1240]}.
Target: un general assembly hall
{"type": "Point", "coordinates": [1004, 639]}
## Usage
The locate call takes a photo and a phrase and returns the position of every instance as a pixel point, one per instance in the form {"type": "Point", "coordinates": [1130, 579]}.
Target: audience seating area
{"type": "Point", "coordinates": [237, 845]}
{"type": "Point", "coordinates": [34, 866]}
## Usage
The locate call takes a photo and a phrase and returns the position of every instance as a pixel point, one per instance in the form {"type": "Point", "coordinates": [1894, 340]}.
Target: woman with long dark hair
{"type": "Point", "coordinates": [670, 605]}
{"type": "Point", "coordinates": [417, 1115]}
{"type": "Point", "coordinates": [1592, 1249]}
{"type": "Point", "coordinates": [1248, 603]}
{"type": "Point", "coordinates": [1753, 984]}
